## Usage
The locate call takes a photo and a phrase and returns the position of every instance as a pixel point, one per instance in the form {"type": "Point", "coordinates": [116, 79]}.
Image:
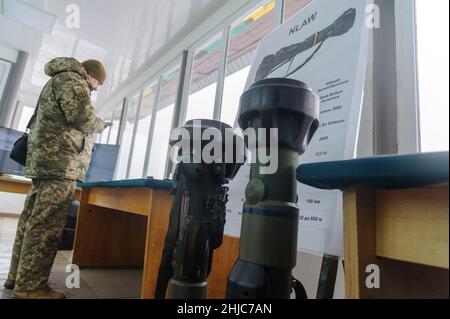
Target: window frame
{"type": "Point", "coordinates": [225, 29]}
{"type": "Point", "coordinates": [180, 108]}
{"type": "Point", "coordinates": [181, 61]}
{"type": "Point", "coordinates": [394, 82]}
{"type": "Point", "coordinates": [408, 108]}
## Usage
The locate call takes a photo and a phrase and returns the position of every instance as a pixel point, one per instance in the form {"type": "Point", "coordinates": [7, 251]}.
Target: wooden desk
{"type": "Point", "coordinates": [14, 184]}
{"type": "Point", "coordinates": [398, 221]}
{"type": "Point", "coordinates": [21, 185]}
{"type": "Point", "coordinates": [405, 232]}
{"type": "Point", "coordinates": [126, 228]}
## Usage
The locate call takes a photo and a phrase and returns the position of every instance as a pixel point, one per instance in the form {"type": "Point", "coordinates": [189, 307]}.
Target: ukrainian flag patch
{"type": "Point", "coordinates": [79, 91]}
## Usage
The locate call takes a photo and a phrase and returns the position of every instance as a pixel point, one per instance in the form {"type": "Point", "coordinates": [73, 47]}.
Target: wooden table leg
{"type": "Point", "coordinates": [224, 257]}
{"type": "Point", "coordinates": [158, 221]}
{"type": "Point", "coordinates": [359, 240]}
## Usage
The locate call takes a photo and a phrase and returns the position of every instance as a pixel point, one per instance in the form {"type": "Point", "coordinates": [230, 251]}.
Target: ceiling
{"type": "Point", "coordinates": [124, 35]}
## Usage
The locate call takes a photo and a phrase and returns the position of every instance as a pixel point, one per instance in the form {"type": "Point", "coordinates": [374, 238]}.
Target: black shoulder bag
{"type": "Point", "coordinates": [19, 151]}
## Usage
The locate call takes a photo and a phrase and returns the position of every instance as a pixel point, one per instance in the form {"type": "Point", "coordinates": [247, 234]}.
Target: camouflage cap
{"type": "Point", "coordinates": [96, 69]}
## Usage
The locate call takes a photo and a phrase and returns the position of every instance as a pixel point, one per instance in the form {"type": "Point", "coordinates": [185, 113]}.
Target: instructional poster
{"type": "Point", "coordinates": [326, 46]}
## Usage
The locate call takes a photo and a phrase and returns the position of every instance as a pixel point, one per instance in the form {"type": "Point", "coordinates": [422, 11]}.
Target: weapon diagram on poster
{"type": "Point", "coordinates": [285, 55]}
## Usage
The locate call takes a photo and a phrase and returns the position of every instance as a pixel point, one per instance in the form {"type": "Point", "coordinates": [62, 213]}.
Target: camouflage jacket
{"type": "Point", "coordinates": [60, 139]}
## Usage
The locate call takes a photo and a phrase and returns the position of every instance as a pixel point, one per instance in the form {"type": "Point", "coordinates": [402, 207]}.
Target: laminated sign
{"type": "Point", "coordinates": [326, 46]}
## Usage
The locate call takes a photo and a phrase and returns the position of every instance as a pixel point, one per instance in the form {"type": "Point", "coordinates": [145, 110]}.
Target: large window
{"type": "Point", "coordinates": [116, 118]}
{"type": "Point", "coordinates": [27, 113]}
{"type": "Point", "coordinates": [107, 131]}
{"type": "Point", "coordinates": [245, 35]}
{"type": "Point", "coordinates": [163, 123]}
{"type": "Point", "coordinates": [143, 127]}
{"type": "Point", "coordinates": [109, 135]}
{"type": "Point", "coordinates": [203, 84]}
{"type": "Point", "coordinates": [149, 158]}
{"type": "Point", "coordinates": [97, 137]}
{"type": "Point", "coordinates": [292, 7]}
{"type": "Point", "coordinates": [433, 59]}
{"type": "Point", "coordinates": [127, 136]}
{"type": "Point", "coordinates": [5, 67]}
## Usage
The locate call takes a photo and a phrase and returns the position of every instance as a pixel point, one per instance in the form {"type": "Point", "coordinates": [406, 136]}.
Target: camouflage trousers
{"type": "Point", "coordinates": [39, 231]}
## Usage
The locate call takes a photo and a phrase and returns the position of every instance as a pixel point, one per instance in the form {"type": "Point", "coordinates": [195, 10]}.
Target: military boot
{"type": "Point", "coordinates": [9, 284]}
{"type": "Point", "coordinates": [46, 293]}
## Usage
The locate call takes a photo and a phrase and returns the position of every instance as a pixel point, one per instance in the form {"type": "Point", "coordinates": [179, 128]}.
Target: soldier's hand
{"type": "Point", "coordinates": [102, 125]}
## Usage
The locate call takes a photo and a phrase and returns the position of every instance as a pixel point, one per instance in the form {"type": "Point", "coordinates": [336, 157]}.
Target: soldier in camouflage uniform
{"type": "Point", "coordinates": [59, 150]}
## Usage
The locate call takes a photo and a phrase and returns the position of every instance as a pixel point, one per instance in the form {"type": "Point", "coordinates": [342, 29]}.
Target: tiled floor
{"type": "Point", "coordinates": [94, 283]}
